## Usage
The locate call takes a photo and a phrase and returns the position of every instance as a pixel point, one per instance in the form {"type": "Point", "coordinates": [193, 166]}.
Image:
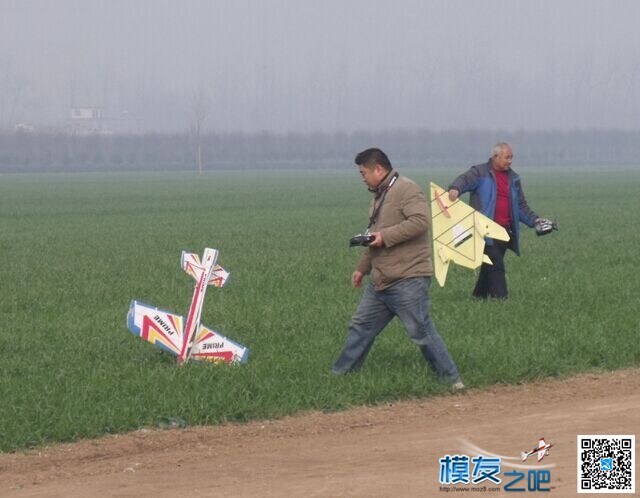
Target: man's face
{"type": "Point", "coordinates": [503, 160]}
{"type": "Point", "coordinates": [372, 176]}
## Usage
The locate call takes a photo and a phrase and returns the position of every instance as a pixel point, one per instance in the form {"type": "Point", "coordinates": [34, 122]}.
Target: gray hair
{"type": "Point", "coordinates": [497, 148]}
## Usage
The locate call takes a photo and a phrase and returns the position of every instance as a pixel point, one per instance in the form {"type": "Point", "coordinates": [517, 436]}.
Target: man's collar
{"type": "Point", "coordinates": [385, 182]}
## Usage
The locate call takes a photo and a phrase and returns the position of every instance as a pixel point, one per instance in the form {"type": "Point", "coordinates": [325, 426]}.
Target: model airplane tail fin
{"type": "Point", "coordinates": [442, 265]}
{"type": "Point", "coordinates": [218, 277]}
{"type": "Point", "coordinates": [192, 264]}
{"type": "Point", "coordinates": [524, 455]}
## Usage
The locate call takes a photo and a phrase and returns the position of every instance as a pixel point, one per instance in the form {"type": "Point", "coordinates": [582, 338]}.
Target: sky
{"type": "Point", "coordinates": [330, 65]}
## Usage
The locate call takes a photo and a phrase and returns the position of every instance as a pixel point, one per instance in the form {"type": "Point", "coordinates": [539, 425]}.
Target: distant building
{"type": "Point", "coordinates": [95, 121]}
{"type": "Point", "coordinates": [88, 121]}
{"type": "Point", "coordinates": [87, 113]}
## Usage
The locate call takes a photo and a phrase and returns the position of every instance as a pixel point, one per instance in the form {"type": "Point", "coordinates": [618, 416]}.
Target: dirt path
{"type": "Point", "coordinates": [390, 450]}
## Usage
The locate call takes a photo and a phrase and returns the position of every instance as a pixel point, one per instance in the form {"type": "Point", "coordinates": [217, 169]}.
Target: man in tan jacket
{"type": "Point", "coordinates": [398, 260]}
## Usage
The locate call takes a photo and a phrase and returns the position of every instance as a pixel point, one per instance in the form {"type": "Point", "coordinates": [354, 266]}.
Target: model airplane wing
{"type": "Point", "coordinates": [159, 327]}
{"type": "Point", "coordinates": [458, 233]}
{"type": "Point", "coordinates": [543, 449]}
{"type": "Point", "coordinates": [213, 346]}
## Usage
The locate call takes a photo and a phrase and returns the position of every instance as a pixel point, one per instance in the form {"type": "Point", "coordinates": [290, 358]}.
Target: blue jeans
{"type": "Point", "coordinates": [409, 301]}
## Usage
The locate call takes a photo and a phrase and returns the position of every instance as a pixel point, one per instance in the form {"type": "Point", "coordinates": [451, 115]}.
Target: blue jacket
{"type": "Point", "coordinates": [480, 180]}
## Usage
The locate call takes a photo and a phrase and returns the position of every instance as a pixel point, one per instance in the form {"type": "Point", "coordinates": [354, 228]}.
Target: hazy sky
{"type": "Point", "coordinates": [289, 65]}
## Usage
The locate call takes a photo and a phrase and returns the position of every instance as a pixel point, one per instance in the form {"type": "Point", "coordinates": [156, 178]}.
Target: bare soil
{"type": "Point", "coordinates": [389, 450]}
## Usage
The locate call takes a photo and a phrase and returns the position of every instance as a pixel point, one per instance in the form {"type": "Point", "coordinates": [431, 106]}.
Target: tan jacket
{"type": "Point", "coordinates": [404, 221]}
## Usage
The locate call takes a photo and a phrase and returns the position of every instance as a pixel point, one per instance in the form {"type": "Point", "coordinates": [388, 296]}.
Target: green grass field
{"type": "Point", "coordinates": [76, 249]}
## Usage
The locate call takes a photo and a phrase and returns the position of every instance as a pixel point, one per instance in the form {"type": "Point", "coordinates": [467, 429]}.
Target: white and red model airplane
{"type": "Point", "coordinates": [542, 450]}
{"type": "Point", "coordinates": [193, 341]}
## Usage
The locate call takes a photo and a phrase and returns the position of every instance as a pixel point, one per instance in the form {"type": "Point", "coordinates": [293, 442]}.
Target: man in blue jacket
{"type": "Point", "coordinates": [496, 191]}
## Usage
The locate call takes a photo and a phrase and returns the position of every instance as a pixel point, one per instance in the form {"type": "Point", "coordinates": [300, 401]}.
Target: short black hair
{"type": "Point", "coordinates": [371, 157]}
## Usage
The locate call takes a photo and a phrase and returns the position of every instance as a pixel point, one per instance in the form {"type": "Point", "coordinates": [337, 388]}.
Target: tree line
{"type": "Point", "coordinates": [30, 152]}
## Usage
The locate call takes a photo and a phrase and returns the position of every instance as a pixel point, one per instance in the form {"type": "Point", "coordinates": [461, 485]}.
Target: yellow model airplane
{"type": "Point", "coordinates": [458, 233]}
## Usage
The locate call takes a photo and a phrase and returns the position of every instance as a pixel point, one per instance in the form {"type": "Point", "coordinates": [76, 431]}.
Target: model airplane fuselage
{"type": "Point", "coordinates": [458, 233]}
{"type": "Point", "coordinates": [190, 339]}
{"type": "Point", "coordinates": [542, 450]}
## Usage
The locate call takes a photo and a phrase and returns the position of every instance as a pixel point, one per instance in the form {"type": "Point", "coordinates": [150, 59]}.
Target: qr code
{"type": "Point", "coordinates": [606, 464]}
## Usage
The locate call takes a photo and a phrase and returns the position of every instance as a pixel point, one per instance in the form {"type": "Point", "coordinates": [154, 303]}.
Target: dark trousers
{"type": "Point", "coordinates": [492, 281]}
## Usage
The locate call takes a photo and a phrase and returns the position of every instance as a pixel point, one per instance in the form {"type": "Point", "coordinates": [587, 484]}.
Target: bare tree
{"type": "Point", "coordinates": [13, 94]}
{"type": "Point", "coordinates": [200, 110]}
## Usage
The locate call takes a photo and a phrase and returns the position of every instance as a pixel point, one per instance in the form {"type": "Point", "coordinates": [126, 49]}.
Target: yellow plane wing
{"type": "Point", "coordinates": [458, 233]}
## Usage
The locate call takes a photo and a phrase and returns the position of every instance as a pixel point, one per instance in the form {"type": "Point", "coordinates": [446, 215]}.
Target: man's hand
{"type": "Point", "coordinates": [453, 194]}
{"type": "Point", "coordinates": [356, 279]}
{"type": "Point", "coordinates": [378, 240]}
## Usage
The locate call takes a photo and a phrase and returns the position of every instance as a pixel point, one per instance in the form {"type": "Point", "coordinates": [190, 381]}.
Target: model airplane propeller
{"type": "Point", "coordinates": [193, 340]}
{"type": "Point", "coordinates": [458, 233]}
